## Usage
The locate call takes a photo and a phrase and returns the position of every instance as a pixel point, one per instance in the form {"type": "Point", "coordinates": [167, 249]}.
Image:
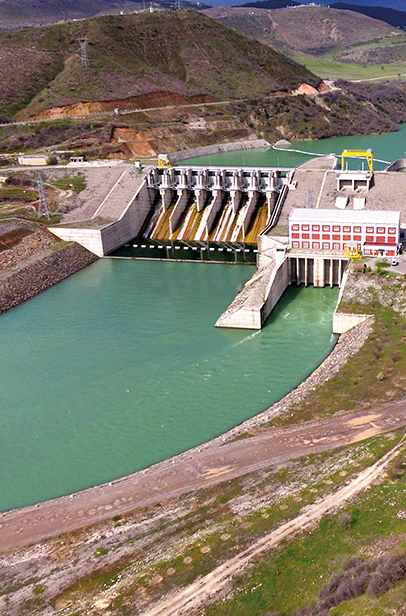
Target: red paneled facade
{"type": "Point", "coordinates": [376, 232]}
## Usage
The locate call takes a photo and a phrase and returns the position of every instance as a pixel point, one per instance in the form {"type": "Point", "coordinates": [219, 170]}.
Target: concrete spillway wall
{"type": "Point", "coordinates": [103, 239]}
{"type": "Point", "coordinates": [178, 210]}
{"type": "Point", "coordinates": [255, 302]}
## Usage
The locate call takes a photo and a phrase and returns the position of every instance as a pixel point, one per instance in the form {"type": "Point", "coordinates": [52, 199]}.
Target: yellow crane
{"type": "Point", "coordinates": [164, 161]}
{"type": "Point", "coordinates": [368, 154]}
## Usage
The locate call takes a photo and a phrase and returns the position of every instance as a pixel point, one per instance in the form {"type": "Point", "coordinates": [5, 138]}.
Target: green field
{"type": "Point", "coordinates": [368, 61]}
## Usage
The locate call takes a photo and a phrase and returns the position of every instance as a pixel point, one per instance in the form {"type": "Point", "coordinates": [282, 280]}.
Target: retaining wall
{"type": "Point", "coordinates": [342, 321]}
{"type": "Point", "coordinates": [40, 273]}
{"type": "Point", "coordinates": [219, 147]}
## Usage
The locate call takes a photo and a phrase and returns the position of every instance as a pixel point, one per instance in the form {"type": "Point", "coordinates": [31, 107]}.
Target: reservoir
{"type": "Point", "coordinates": [120, 366]}
{"type": "Point", "coordinates": [385, 147]}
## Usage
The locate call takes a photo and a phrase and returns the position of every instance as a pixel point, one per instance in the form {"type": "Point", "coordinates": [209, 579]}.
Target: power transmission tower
{"type": "Point", "coordinates": [43, 205]}
{"type": "Point", "coordinates": [177, 5]}
{"type": "Point", "coordinates": [83, 52]}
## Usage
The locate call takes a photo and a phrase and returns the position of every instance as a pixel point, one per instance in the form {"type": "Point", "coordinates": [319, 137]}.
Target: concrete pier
{"type": "Point", "coordinates": [277, 269]}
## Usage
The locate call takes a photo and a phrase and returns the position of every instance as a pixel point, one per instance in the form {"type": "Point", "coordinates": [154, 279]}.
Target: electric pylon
{"type": "Point", "coordinates": [43, 205]}
{"type": "Point", "coordinates": [83, 52]}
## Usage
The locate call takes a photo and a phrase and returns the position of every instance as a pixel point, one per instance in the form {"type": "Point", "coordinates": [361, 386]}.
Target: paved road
{"type": "Point", "coordinates": [198, 468]}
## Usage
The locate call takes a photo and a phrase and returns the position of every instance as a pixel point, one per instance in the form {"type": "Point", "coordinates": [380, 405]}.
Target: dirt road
{"type": "Point", "coordinates": [187, 600]}
{"type": "Point", "coordinates": [200, 467]}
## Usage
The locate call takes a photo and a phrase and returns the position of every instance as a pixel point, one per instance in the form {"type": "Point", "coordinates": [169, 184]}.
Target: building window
{"type": "Point", "coordinates": [336, 229]}
{"type": "Point", "coordinates": [380, 230]}
{"type": "Point", "coordinates": [316, 245]}
{"type": "Point", "coordinates": [392, 230]}
{"type": "Point", "coordinates": [367, 252]}
{"type": "Point", "coordinates": [370, 229]}
{"type": "Point", "coordinates": [326, 227]}
{"type": "Point", "coordinates": [336, 246]}
{"type": "Point", "coordinates": [326, 246]}
{"type": "Point", "coordinates": [305, 244]}
{"type": "Point", "coordinates": [315, 227]}
{"type": "Point", "coordinates": [295, 244]}
{"type": "Point", "coordinates": [305, 227]}
{"type": "Point", "coordinates": [295, 227]}
{"type": "Point", "coordinates": [346, 229]}
{"type": "Point", "coordinates": [357, 229]}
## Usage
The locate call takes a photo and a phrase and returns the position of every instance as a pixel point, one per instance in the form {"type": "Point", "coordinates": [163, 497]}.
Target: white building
{"type": "Point", "coordinates": [375, 232]}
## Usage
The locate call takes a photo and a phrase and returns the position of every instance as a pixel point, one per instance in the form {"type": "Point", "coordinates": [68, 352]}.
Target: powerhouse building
{"type": "Point", "coordinates": [376, 233]}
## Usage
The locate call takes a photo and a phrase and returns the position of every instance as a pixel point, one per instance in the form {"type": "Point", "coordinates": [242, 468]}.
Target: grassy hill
{"type": "Point", "coordinates": [177, 52]}
{"type": "Point", "coordinates": [310, 29]}
{"type": "Point", "coordinates": [333, 43]}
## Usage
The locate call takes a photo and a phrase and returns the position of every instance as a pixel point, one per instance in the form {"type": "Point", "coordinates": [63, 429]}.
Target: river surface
{"type": "Point", "coordinates": [385, 147]}
{"type": "Point", "coordinates": [119, 367]}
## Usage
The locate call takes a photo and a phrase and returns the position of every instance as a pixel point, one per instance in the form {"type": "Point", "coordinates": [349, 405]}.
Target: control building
{"type": "Point", "coordinates": [374, 233]}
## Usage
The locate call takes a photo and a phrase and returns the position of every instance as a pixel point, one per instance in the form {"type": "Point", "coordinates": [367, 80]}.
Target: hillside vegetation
{"type": "Point", "coordinates": [182, 53]}
{"type": "Point", "coordinates": [311, 29]}
{"type": "Point", "coordinates": [333, 43]}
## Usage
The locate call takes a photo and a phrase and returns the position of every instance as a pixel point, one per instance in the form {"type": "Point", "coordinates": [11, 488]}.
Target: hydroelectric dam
{"type": "Point", "coordinates": [299, 225]}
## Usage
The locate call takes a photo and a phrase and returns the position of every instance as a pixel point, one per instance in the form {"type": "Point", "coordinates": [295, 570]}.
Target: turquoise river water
{"type": "Point", "coordinates": [385, 147]}
{"type": "Point", "coordinates": [120, 366]}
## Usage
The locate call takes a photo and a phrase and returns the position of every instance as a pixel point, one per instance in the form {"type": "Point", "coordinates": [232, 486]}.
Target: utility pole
{"type": "Point", "coordinates": [83, 52]}
{"type": "Point", "coordinates": [43, 205]}
{"type": "Point", "coordinates": [310, 198]}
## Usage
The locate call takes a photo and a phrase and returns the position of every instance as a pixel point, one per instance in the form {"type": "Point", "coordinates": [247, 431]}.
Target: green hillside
{"type": "Point", "coordinates": [333, 43]}
{"type": "Point", "coordinates": [182, 53]}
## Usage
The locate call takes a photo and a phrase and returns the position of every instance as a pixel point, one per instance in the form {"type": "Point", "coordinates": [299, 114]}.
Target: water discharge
{"type": "Point", "coordinates": [120, 366]}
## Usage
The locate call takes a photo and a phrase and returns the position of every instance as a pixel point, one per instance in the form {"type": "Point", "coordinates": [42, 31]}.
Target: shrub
{"type": "Point", "coordinates": [344, 520]}
{"type": "Point", "coordinates": [390, 570]}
